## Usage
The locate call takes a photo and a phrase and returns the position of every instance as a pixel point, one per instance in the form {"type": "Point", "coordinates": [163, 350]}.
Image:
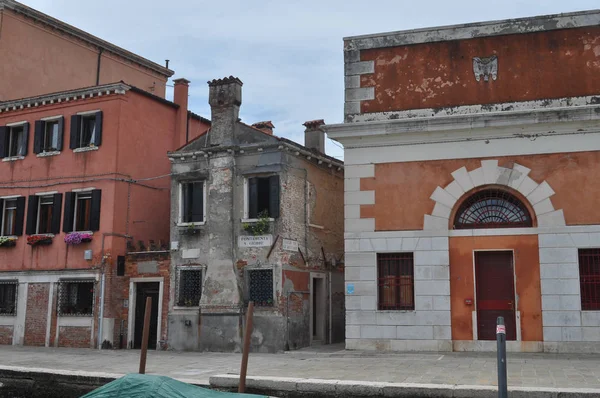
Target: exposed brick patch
{"type": "Point", "coordinates": [36, 316]}
{"type": "Point", "coordinates": [71, 336]}
{"type": "Point", "coordinates": [6, 335]}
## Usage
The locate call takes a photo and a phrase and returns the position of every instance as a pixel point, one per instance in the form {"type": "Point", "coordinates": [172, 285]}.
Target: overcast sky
{"type": "Point", "coordinates": [287, 53]}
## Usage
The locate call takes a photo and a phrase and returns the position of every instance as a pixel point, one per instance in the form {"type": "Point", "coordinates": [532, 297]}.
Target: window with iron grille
{"type": "Point", "coordinates": [8, 297]}
{"type": "Point", "coordinates": [396, 281]}
{"type": "Point", "coordinates": [260, 287]}
{"type": "Point", "coordinates": [589, 279]}
{"type": "Point", "coordinates": [189, 286]}
{"type": "Point", "coordinates": [76, 298]}
{"type": "Point", "coordinates": [492, 208]}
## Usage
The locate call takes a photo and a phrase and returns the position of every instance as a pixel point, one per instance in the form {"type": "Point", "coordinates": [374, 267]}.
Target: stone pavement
{"type": "Point", "coordinates": [329, 362]}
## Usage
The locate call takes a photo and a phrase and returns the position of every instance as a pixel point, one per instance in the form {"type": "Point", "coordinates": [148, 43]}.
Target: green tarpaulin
{"type": "Point", "coordinates": [149, 386]}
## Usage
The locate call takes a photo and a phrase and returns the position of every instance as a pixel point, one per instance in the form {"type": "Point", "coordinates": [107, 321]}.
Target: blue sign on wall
{"type": "Point", "coordinates": [350, 288]}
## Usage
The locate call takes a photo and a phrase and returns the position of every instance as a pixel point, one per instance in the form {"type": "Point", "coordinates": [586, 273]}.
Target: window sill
{"type": "Point", "coordinates": [251, 220]}
{"type": "Point", "coordinates": [47, 154]}
{"type": "Point", "coordinates": [184, 308]}
{"type": "Point", "coordinates": [13, 158]}
{"type": "Point", "coordinates": [82, 232]}
{"type": "Point", "coordinates": [192, 224]}
{"type": "Point", "coordinates": [46, 235]}
{"type": "Point", "coordinates": [85, 149]}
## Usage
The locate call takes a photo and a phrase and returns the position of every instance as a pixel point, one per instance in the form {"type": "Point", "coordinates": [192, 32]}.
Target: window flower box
{"type": "Point", "coordinates": [76, 238]}
{"type": "Point", "coordinates": [35, 240]}
{"type": "Point", "coordinates": [8, 241]}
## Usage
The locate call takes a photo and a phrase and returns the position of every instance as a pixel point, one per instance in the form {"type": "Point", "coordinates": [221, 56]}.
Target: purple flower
{"type": "Point", "coordinates": [75, 238]}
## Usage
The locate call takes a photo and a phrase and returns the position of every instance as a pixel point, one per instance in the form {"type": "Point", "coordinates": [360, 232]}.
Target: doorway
{"type": "Point", "coordinates": [495, 288]}
{"type": "Point", "coordinates": [318, 309]}
{"type": "Point", "coordinates": [144, 290]}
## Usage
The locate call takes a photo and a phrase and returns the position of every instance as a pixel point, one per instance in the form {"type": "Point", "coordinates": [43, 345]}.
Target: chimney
{"type": "Point", "coordinates": [224, 98]}
{"type": "Point", "coordinates": [266, 127]}
{"type": "Point", "coordinates": [180, 97]}
{"type": "Point", "coordinates": [314, 136]}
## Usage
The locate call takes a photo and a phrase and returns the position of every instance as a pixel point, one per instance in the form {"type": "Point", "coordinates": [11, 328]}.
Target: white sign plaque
{"type": "Point", "coordinates": [255, 241]}
{"type": "Point", "coordinates": [290, 245]}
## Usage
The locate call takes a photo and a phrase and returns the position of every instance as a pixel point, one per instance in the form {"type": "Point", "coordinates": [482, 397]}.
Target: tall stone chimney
{"type": "Point", "coordinates": [314, 136]}
{"type": "Point", "coordinates": [224, 98]}
{"type": "Point", "coordinates": [180, 97]}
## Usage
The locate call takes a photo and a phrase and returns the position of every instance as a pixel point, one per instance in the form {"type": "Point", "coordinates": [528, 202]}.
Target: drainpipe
{"type": "Point", "coordinates": [98, 66]}
{"type": "Point", "coordinates": [102, 284]}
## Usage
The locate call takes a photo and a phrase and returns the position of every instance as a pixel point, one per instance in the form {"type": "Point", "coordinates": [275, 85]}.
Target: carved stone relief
{"type": "Point", "coordinates": [486, 67]}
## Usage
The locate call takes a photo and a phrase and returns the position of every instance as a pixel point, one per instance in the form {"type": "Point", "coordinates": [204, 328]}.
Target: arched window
{"type": "Point", "coordinates": [492, 208]}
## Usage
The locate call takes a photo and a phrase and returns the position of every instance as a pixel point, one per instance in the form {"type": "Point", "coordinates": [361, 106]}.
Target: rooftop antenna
{"type": "Point", "coordinates": [167, 63]}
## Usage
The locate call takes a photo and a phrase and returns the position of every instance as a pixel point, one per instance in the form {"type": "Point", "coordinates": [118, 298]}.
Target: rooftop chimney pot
{"type": "Point", "coordinates": [314, 136]}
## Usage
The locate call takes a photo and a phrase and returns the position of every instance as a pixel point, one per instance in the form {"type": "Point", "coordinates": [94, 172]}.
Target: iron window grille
{"type": "Point", "coordinates": [589, 279]}
{"type": "Point", "coordinates": [8, 297]}
{"type": "Point", "coordinates": [189, 286]}
{"type": "Point", "coordinates": [492, 208]}
{"type": "Point", "coordinates": [76, 297]}
{"type": "Point", "coordinates": [260, 287]}
{"type": "Point", "coordinates": [396, 281]}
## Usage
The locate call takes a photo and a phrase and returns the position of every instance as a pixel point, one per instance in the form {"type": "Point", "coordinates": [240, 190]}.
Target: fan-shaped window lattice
{"type": "Point", "coordinates": [492, 208]}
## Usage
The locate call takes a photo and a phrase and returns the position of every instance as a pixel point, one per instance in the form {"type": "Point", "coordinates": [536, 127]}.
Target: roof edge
{"type": "Point", "coordinates": [538, 23]}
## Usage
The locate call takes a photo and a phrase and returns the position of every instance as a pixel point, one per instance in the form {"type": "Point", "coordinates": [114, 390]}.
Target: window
{"type": "Point", "coordinates": [82, 211]}
{"type": "Point", "coordinates": [191, 207]}
{"type": "Point", "coordinates": [8, 297]}
{"type": "Point", "coordinates": [396, 281]}
{"type": "Point", "coordinates": [86, 130]}
{"type": "Point", "coordinates": [13, 212]}
{"type": "Point", "coordinates": [189, 286]}
{"type": "Point", "coordinates": [589, 279]}
{"type": "Point", "coordinates": [492, 208]}
{"type": "Point", "coordinates": [43, 214]}
{"type": "Point", "coordinates": [263, 197]}
{"type": "Point", "coordinates": [76, 298]}
{"type": "Point", "coordinates": [260, 287]}
{"type": "Point", "coordinates": [48, 135]}
{"type": "Point", "coordinates": [13, 140]}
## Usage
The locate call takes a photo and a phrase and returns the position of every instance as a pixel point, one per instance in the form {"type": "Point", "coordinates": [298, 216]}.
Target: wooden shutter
{"type": "Point", "coordinates": [98, 135]}
{"type": "Point", "coordinates": [95, 212]}
{"type": "Point", "coordinates": [20, 216]}
{"type": "Point", "coordinates": [38, 136]}
{"type": "Point", "coordinates": [56, 207]}
{"type": "Point", "coordinates": [197, 202]}
{"type": "Point", "coordinates": [69, 212]}
{"type": "Point", "coordinates": [75, 126]}
{"type": "Point", "coordinates": [252, 197]}
{"type": "Point", "coordinates": [24, 148]}
{"type": "Point", "coordinates": [3, 141]}
{"type": "Point", "coordinates": [274, 196]}
{"type": "Point", "coordinates": [32, 212]}
{"type": "Point", "coordinates": [61, 128]}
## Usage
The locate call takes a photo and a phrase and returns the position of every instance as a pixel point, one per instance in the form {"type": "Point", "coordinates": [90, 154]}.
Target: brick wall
{"type": "Point", "coordinates": [71, 336]}
{"type": "Point", "coordinates": [37, 314]}
{"type": "Point", "coordinates": [6, 335]}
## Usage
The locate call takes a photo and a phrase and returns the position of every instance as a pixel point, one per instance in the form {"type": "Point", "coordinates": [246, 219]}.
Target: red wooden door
{"type": "Point", "coordinates": [495, 293]}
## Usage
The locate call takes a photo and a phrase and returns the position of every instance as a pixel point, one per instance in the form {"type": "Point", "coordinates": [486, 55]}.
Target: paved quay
{"type": "Point", "coordinates": [332, 363]}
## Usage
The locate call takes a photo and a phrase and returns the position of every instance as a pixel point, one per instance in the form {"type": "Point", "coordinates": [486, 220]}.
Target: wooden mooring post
{"type": "Point", "coordinates": [145, 335]}
{"type": "Point", "coordinates": [246, 349]}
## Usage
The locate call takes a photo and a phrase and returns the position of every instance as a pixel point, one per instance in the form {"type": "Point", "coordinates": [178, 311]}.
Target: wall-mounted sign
{"type": "Point", "coordinates": [290, 245]}
{"type": "Point", "coordinates": [350, 288]}
{"type": "Point", "coordinates": [255, 241]}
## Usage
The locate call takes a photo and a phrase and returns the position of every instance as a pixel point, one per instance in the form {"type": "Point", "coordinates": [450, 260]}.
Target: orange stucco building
{"type": "Point", "coordinates": [44, 55]}
{"type": "Point", "coordinates": [471, 156]}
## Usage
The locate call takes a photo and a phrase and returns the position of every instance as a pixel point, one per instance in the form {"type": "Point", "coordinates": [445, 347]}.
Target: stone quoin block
{"type": "Point", "coordinates": [527, 186]}
{"type": "Point", "coordinates": [432, 223]}
{"type": "Point", "coordinates": [352, 184]}
{"type": "Point", "coordinates": [360, 94]}
{"type": "Point", "coordinates": [360, 198]}
{"type": "Point", "coordinates": [361, 260]}
{"type": "Point", "coordinates": [541, 192]}
{"type": "Point", "coordinates": [517, 176]}
{"type": "Point", "coordinates": [361, 318]}
{"type": "Point", "coordinates": [359, 68]}
{"type": "Point", "coordinates": [360, 225]}
{"type": "Point", "coordinates": [552, 219]}
{"type": "Point", "coordinates": [560, 286]}
{"type": "Point", "coordinates": [558, 255]}
{"type": "Point", "coordinates": [463, 179]}
{"type": "Point", "coordinates": [543, 207]}
{"type": "Point", "coordinates": [562, 318]}
{"type": "Point", "coordinates": [352, 211]}
{"type": "Point", "coordinates": [556, 240]}
{"type": "Point", "coordinates": [359, 171]}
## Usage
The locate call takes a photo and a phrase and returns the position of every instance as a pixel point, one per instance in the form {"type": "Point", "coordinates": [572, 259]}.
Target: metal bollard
{"type": "Point", "coordinates": [501, 340]}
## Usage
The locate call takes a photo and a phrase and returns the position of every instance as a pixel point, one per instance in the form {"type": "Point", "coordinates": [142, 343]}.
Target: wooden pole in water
{"type": "Point", "coordinates": [247, 336]}
{"type": "Point", "coordinates": [145, 335]}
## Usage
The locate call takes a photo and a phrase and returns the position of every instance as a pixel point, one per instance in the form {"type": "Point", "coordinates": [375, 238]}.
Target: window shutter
{"type": "Point", "coordinates": [38, 136]}
{"type": "Point", "coordinates": [55, 228]}
{"type": "Point", "coordinates": [75, 126]}
{"type": "Point", "coordinates": [98, 136]}
{"type": "Point", "coordinates": [20, 216]}
{"type": "Point", "coordinates": [25, 140]}
{"type": "Point", "coordinates": [274, 196]}
{"type": "Point", "coordinates": [95, 212]}
{"type": "Point", "coordinates": [32, 211]}
{"type": "Point", "coordinates": [252, 197]}
{"type": "Point", "coordinates": [3, 139]}
{"type": "Point", "coordinates": [69, 210]}
{"type": "Point", "coordinates": [197, 202]}
{"type": "Point", "coordinates": [61, 128]}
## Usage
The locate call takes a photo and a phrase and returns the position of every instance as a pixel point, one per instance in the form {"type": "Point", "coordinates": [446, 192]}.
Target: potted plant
{"type": "Point", "coordinates": [259, 227]}
{"type": "Point", "coordinates": [35, 240]}
{"type": "Point", "coordinates": [76, 238]}
{"type": "Point", "coordinates": [190, 229]}
{"type": "Point", "coordinates": [7, 241]}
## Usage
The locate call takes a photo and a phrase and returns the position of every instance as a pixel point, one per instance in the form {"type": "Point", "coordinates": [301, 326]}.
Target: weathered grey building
{"type": "Point", "coordinates": [255, 218]}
